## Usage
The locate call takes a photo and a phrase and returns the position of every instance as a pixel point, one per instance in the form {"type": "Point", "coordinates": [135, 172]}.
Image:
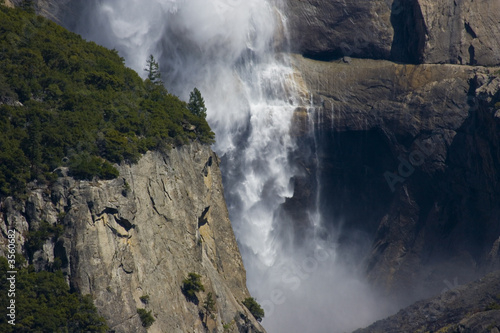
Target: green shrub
{"type": "Point", "coordinates": [144, 299]}
{"type": "Point", "coordinates": [36, 238]}
{"type": "Point", "coordinates": [493, 306]}
{"type": "Point", "coordinates": [254, 308]}
{"type": "Point", "coordinates": [191, 285]}
{"type": "Point", "coordinates": [146, 318]}
{"type": "Point", "coordinates": [86, 166]}
{"type": "Point", "coordinates": [209, 304]}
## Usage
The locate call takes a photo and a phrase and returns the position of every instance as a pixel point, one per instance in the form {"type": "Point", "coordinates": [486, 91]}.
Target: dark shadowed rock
{"type": "Point", "coordinates": [409, 157]}
{"type": "Point", "coordinates": [333, 29]}
{"type": "Point", "coordinates": [472, 308]}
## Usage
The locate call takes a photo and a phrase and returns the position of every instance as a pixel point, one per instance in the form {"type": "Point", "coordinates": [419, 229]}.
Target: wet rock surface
{"type": "Point", "coordinates": [408, 159]}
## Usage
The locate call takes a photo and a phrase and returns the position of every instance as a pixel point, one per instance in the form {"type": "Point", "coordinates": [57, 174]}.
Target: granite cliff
{"type": "Point", "coordinates": [141, 235]}
{"type": "Point", "coordinates": [407, 31]}
{"type": "Point", "coordinates": [407, 151]}
{"type": "Point", "coordinates": [408, 156]}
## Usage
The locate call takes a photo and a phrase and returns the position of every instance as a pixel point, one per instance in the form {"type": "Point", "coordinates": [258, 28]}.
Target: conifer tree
{"type": "Point", "coordinates": [197, 104]}
{"type": "Point", "coordinates": [209, 306]}
{"type": "Point", "coordinates": [153, 69]}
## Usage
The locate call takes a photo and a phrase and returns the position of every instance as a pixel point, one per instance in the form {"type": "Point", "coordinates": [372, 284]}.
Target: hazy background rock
{"type": "Point", "coordinates": [472, 308]}
{"type": "Point", "coordinates": [439, 220]}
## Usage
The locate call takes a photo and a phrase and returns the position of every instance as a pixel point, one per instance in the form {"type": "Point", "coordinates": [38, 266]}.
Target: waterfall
{"type": "Point", "coordinates": [228, 49]}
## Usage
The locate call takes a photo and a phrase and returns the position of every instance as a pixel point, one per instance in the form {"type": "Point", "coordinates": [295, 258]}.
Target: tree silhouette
{"type": "Point", "coordinates": [197, 104]}
{"type": "Point", "coordinates": [190, 286]}
{"type": "Point", "coordinates": [254, 308]}
{"type": "Point", "coordinates": [153, 69]}
{"type": "Point", "coordinates": [209, 306]}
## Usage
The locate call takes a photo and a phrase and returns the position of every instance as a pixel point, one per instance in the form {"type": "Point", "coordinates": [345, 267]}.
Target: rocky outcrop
{"type": "Point", "coordinates": [461, 32]}
{"type": "Point", "coordinates": [142, 234]}
{"type": "Point", "coordinates": [333, 29]}
{"type": "Point", "coordinates": [472, 308]}
{"type": "Point", "coordinates": [408, 31]}
{"type": "Point", "coordinates": [408, 157]}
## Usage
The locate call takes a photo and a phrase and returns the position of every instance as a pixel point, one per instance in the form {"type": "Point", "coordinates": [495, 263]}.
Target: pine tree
{"type": "Point", "coordinates": [197, 104]}
{"type": "Point", "coordinates": [209, 306]}
{"type": "Point", "coordinates": [153, 69]}
{"type": "Point", "coordinates": [254, 308]}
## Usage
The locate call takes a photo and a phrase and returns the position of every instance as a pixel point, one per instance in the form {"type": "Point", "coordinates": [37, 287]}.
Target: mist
{"type": "Point", "coordinates": [229, 50]}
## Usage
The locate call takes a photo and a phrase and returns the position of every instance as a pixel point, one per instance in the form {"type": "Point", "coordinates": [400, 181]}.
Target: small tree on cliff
{"type": "Point", "coordinates": [254, 308]}
{"type": "Point", "coordinates": [153, 69]}
{"type": "Point", "coordinates": [197, 104]}
{"type": "Point", "coordinates": [190, 286]}
{"type": "Point", "coordinates": [209, 306]}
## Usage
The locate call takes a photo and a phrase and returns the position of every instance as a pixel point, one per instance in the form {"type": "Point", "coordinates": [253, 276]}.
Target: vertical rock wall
{"type": "Point", "coordinates": [142, 234]}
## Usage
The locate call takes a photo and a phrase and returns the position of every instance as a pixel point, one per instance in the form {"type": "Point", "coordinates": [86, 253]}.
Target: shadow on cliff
{"type": "Point", "coordinates": [409, 32]}
{"type": "Point", "coordinates": [439, 227]}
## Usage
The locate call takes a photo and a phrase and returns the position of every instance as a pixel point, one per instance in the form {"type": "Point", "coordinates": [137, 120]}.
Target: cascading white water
{"type": "Point", "coordinates": [226, 48]}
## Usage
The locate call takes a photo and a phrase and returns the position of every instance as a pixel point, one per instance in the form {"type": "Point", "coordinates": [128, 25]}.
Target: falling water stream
{"type": "Point", "coordinates": [228, 50]}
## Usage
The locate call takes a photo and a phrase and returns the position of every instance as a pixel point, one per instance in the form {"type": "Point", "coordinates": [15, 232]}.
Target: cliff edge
{"type": "Point", "coordinates": [131, 241]}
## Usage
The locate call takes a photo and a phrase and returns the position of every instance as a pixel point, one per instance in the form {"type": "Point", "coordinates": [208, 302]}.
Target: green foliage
{"type": "Point", "coordinates": [497, 105]}
{"type": "Point", "coordinates": [144, 299]}
{"type": "Point", "coordinates": [228, 326]}
{"type": "Point", "coordinates": [86, 166]}
{"type": "Point", "coordinates": [44, 303]}
{"type": "Point", "coordinates": [191, 285]}
{"type": "Point", "coordinates": [254, 308]}
{"type": "Point", "coordinates": [209, 304]}
{"type": "Point", "coordinates": [493, 306]}
{"type": "Point", "coordinates": [80, 102]}
{"type": "Point", "coordinates": [153, 70]}
{"type": "Point", "coordinates": [197, 104]}
{"type": "Point", "coordinates": [36, 238]}
{"type": "Point", "coordinates": [146, 318]}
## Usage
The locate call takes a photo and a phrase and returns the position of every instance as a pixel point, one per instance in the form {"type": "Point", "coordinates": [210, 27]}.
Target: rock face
{"type": "Point", "coordinates": [408, 159]}
{"type": "Point", "coordinates": [142, 234]}
{"type": "Point", "coordinates": [408, 31]}
{"type": "Point", "coordinates": [473, 308]}
{"type": "Point", "coordinates": [332, 29]}
{"type": "Point", "coordinates": [461, 32]}
{"type": "Point", "coordinates": [59, 11]}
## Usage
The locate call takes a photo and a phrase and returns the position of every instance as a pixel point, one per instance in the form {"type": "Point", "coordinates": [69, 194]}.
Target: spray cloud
{"type": "Point", "coordinates": [226, 48]}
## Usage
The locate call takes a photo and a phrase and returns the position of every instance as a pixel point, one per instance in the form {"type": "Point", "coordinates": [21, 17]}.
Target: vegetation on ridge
{"type": "Point", "coordinates": [44, 303]}
{"type": "Point", "coordinates": [146, 317]}
{"type": "Point", "coordinates": [254, 308]}
{"type": "Point", "coordinates": [66, 101]}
